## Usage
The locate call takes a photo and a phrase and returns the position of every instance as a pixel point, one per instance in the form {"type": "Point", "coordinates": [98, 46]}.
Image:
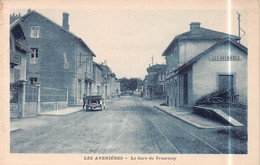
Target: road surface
{"type": "Point", "coordinates": [125, 126]}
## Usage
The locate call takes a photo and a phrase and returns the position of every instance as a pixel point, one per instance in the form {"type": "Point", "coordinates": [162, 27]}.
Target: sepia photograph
{"type": "Point", "coordinates": [129, 84]}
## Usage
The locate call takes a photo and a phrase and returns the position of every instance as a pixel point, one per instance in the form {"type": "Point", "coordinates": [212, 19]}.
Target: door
{"type": "Point", "coordinates": [79, 91]}
{"type": "Point", "coordinates": [225, 82]}
{"type": "Point", "coordinates": [185, 89]}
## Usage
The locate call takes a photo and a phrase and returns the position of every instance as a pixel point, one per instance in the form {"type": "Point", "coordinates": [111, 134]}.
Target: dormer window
{"type": "Point", "coordinates": [35, 31]}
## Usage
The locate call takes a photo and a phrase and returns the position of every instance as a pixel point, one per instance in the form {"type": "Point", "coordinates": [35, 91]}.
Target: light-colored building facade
{"type": "Point", "coordinates": [110, 83]}
{"type": "Point", "coordinates": [97, 79]}
{"type": "Point", "coordinates": [198, 62]}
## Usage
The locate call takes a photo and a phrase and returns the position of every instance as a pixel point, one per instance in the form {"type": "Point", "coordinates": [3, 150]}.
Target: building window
{"type": "Point", "coordinates": [225, 82]}
{"type": "Point", "coordinates": [33, 80]}
{"type": "Point", "coordinates": [98, 90]}
{"type": "Point", "coordinates": [35, 31]}
{"type": "Point", "coordinates": [87, 65]}
{"type": "Point", "coordinates": [16, 74]}
{"type": "Point", "coordinates": [161, 88]}
{"type": "Point", "coordinates": [79, 89]}
{"type": "Point", "coordinates": [34, 55]}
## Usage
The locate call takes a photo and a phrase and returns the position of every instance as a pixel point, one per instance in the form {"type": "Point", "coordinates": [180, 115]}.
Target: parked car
{"type": "Point", "coordinates": [95, 102]}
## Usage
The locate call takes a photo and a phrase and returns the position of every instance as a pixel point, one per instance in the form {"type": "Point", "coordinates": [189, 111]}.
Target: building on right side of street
{"type": "Point", "coordinates": [202, 61]}
{"type": "Point", "coordinates": [154, 82]}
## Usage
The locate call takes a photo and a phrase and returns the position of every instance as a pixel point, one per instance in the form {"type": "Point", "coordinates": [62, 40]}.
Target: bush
{"type": "Point", "coordinates": [14, 90]}
{"type": "Point", "coordinates": [219, 97]}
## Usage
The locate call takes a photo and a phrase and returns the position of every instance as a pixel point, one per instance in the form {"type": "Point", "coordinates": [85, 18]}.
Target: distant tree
{"type": "Point", "coordinates": [129, 84]}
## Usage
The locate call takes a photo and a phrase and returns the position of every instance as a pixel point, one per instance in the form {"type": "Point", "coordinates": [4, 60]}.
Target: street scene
{"type": "Point", "coordinates": [82, 87]}
{"type": "Point", "coordinates": [128, 125]}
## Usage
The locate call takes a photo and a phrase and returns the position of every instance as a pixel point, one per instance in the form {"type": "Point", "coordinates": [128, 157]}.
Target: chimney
{"type": "Point", "coordinates": [65, 21]}
{"type": "Point", "coordinates": [195, 27]}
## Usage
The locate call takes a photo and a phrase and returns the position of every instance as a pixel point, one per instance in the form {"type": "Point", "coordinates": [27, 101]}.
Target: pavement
{"type": "Point", "coordinates": [27, 123]}
{"type": "Point", "coordinates": [183, 114]}
{"type": "Point", "coordinates": [62, 112]}
{"type": "Point", "coordinates": [186, 115]}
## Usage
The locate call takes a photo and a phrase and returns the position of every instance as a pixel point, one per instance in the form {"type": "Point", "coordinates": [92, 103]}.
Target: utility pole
{"type": "Point", "coordinates": [238, 18]}
{"type": "Point", "coordinates": [152, 60]}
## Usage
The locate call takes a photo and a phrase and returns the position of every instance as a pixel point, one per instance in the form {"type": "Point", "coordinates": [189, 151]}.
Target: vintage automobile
{"type": "Point", "coordinates": [95, 102]}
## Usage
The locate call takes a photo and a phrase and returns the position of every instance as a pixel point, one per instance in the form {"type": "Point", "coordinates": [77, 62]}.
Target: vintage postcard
{"type": "Point", "coordinates": [130, 82]}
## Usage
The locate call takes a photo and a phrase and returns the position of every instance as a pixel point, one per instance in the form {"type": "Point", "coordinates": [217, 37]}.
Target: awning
{"type": "Point", "coordinates": [23, 47]}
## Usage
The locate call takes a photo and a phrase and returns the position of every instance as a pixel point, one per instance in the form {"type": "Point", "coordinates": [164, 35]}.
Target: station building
{"type": "Point", "coordinates": [202, 61]}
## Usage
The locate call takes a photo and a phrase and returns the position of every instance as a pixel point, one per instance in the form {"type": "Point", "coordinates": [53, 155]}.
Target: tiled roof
{"type": "Point", "coordinates": [204, 33]}
{"type": "Point", "coordinates": [201, 34]}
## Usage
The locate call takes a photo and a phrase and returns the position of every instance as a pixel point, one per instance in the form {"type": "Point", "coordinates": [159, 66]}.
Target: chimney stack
{"type": "Point", "coordinates": [65, 21]}
{"type": "Point", "coordinates": [195, 27]}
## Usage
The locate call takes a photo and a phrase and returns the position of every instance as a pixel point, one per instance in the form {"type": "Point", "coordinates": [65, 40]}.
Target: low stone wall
{"type": "Point", "coordinates": [30, 109]}
{"type": "Point", "coordinates": [14, 110]}
{"type": "Point", "coordinates": [52, 106]}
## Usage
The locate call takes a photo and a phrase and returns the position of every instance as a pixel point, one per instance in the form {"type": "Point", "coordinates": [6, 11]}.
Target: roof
{"type": "Point", "coordinates": [76, 37]}
{"type": "Point", "coordinates": [230, 40]}
{"type": "Point", "coordinates": [17, 31]}
{"type": "Point", "coordinates": [98, 65]}
{"type": "Point", "coordinates": [201, 34]}
{"type": "Point", "coordinates": [157, 68]}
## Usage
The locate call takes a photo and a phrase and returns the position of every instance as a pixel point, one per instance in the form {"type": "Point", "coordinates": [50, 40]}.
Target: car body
{"type": "Point", "coordinates": [95, 102]}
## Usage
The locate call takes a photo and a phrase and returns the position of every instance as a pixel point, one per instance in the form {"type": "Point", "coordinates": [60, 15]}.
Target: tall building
{"type": "Point", "coordinates": [60, 59]}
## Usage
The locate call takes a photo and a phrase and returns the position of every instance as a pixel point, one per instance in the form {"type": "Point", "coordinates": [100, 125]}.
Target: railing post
{"type": "Point", "coordinates": [38, 101]}
{"type": "Point", "coordinates": [67, 96]}
{"type": "Point", "coordinates": [21, 98]}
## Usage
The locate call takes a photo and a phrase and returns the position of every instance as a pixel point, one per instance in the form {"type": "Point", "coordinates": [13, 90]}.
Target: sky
{"type": "Point", "coordinates": [128, 39]}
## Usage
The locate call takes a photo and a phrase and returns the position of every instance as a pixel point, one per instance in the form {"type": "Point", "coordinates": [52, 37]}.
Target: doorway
{"type": "Point", "coordinates": [185, 89]}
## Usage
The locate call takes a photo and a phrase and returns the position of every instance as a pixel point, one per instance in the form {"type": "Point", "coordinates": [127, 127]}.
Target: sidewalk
{"type": "Point", "coordinates": [62, 112]}
{"type": "Point", "coordinates": [27, 123]}
{"type": "Point", "coordinates": [185, 115]}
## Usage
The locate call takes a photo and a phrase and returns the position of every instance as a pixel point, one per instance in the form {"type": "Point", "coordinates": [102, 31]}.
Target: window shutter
{"type": "Point", "coordinates": [32, 31]}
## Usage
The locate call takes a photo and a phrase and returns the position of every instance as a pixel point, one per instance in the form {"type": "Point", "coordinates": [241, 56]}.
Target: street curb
{"type": "Point", "coordinates": [60, 114]}
{"type": "Point", "coordinates": [18, 129]}
{"type": "Point", "coordinates": [189, 122]}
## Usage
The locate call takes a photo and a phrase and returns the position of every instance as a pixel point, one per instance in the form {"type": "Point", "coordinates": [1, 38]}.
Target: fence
{"type": "Point", "coordinates": [53, 94]}
{"type": "Point", "coordinates": [31, 93]}
{"type": "Point", "coordinates": [29, 100]}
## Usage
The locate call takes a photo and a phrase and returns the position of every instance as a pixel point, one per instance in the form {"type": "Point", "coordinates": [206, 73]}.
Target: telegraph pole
{"type": "Point", "coordinates": [152, 60]}
{"type": "Point", "coordinates": [238, 18]}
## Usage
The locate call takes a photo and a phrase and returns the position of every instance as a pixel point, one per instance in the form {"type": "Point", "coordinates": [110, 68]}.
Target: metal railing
{"type": "Point", "coordinates": [53, 94]}
{"type": "Point", "coordinates": [31, 93]}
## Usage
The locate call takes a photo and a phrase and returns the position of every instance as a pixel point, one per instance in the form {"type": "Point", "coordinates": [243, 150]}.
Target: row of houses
{"type": "Point", "coordinates": [45, 53]}
{"type": "Point", "coordinates": [199, 62]}
{"type": "Point", "coordinates": [154, 83]}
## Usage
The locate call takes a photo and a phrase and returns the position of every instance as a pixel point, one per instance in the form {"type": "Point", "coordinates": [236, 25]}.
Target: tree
{"type": "Point", "coordinates": [129, 84]}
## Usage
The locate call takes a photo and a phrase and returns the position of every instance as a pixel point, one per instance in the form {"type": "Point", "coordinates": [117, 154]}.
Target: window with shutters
{"type": "Point", "coordinates": [34, 55]}
{"type": "Point", "coordinates": [35, 31]}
